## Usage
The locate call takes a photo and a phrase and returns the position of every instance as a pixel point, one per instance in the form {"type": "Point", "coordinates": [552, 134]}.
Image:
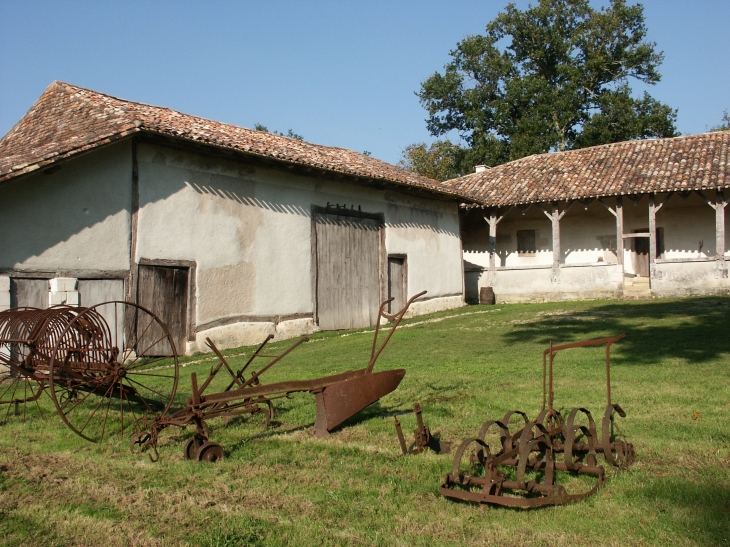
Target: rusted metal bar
{"type": "Point", "coordinates": [423, 438]}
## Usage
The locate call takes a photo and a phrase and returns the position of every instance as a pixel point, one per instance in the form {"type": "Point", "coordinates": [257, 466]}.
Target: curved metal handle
{"type": "Point", "coordinates": [374, 354]}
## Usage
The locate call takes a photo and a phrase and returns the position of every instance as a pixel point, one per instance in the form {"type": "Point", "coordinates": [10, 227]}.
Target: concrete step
{"type": "Point", "coordinates": [639, 282]}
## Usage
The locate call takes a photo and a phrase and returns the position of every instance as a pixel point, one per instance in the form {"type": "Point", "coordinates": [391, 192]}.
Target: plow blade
{"type": "Point", "coordinates": [342, 400]}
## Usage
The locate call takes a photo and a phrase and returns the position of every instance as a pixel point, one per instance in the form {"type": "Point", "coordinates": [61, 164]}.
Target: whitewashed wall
{"type": "Point", "coordinates": [589, 266]}
{"type": "Point", "coordinates": [249, 231]}
{"type": "Point", "coordinates": [76, 218]}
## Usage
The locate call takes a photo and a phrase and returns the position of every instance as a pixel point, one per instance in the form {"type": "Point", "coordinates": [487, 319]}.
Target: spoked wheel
{"type": "Point", "coordinates": [17, 392]}
{"type": "Point", "coordinates": [114, 369]}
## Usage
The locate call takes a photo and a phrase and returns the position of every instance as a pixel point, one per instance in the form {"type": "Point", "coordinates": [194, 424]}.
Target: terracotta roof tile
{"type": "Point", "coordinates": [694, 162]}
{"type": "Point", "coordinates": [68, 120]}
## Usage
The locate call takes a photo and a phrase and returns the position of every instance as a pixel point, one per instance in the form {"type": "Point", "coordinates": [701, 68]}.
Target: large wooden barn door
{"type": "Point", "coordinates": [164, 291]}
{"type": "Point", "coordinates": [347, 271]}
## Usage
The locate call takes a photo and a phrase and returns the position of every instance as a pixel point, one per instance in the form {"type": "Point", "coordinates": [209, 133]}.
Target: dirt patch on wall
{"type": "Point", "coordinates": [225, 291]}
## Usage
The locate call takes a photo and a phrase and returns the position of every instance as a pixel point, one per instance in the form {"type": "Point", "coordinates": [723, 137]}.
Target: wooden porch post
{"type": "Point", "coordinates": [555, 217]}
{"type": "Point", "coordinates": [652, 238]}
{"type": "Point", "coordinates": [719, 206]}
{"type": "Point", "coordinates": [720, 232]}
{"type": "Point", "coordinates": [492, 219]}
{"type": "Point", "coordinates": [620, 232]}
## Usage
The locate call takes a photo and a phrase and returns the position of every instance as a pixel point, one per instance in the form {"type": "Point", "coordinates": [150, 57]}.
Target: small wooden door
{"type": "Point", "coordinates": [164, 291]}
{"type": "Point", "coordinates": [31, 293]}
{"type": "Point", "coordinates": [396, 283]}
{"type": "Point", "coordinates": [642, 247]}
{"type": "Point", "coordinates": [347, 274]}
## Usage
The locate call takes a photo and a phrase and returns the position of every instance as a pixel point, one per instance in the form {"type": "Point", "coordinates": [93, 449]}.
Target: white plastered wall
{"type": "Point", "coordinates": [76, 218]}
{"type": "Point", "coordinates": [4, 292]}
{"type": "Point", "coordinates": [248, 229]}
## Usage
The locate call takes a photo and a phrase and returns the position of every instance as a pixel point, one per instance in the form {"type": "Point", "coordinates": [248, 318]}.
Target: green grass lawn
{"type": "Point", "coordinates": [283, 486]}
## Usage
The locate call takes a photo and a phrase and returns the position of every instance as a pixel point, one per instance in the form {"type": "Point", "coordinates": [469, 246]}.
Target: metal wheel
{"type": "Point", "coordinates": [16, 393]}
{"type": "Point", "coordinates": [191, 446]}
{"type": "Point", "coordinates": [210, 452]}
{"type": "Point", "coordinates": [114, 367]}
{"type": "Point", "coordinates": [190, 450]}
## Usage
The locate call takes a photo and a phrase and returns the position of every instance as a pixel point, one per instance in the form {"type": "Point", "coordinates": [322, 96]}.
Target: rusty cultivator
{"type": "Point", "coordinates": [520, 469]}
{"type": "Point", "coordinates": [422, 437]}
{"type": "Point", "coordinates": [111, 363]}
{"type": "Point", "coordinates": [337, 397]}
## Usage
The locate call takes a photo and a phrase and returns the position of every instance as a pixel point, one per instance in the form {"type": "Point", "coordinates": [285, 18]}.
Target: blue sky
{"type": "Point", "coordinates": [340, 73]}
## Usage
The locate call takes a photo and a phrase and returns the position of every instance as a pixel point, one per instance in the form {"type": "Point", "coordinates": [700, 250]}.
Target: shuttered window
{"type": "Point", "coordinates": [526, 242]}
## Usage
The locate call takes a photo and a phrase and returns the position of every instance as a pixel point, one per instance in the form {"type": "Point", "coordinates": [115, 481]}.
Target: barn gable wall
{"type": "Point", "coordinates": [76, 218]}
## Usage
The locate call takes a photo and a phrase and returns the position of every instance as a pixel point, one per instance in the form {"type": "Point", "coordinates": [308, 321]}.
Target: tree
{"type": "Point", "coordinates": [724, 123]}
{"type": "Point", "coordinates": [290, 133]}
{"type": "Point", "coordinates": [438, 161]}
{"type": "Point", "coordinates": [552, 77]}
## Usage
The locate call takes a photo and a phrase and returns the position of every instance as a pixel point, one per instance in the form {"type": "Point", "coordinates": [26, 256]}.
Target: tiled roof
{"type": "Point", "coordinates": [68, 120]}
{"type": "Point", "coordinates": [694, 162]}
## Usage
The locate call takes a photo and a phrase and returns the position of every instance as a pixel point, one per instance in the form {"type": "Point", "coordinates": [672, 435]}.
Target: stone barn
{"type": "Point", "coordinates": [632, 219]}
{"type": "Point", "coordinates": [222, 231]}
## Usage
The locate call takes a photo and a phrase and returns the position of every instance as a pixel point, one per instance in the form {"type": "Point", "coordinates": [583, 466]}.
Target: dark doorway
{"type": "Point", "coordinates": [641, 254]}
{"type": "Point", "coordinates": [397, 283]}
{"type": "Point", "coordinates": [163, 290]}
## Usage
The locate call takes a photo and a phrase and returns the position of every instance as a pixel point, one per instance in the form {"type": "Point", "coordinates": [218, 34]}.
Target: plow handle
{"type": "Point", "coordinates": [547, 371]}
{"type": "Point", "coordinates": [374, 354]}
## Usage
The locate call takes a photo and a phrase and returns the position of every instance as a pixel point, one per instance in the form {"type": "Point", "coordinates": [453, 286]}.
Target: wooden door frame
{"type": "Point", "coordinates": [382, 254]}
{"type": "Point", "coordinates": [192, 267]}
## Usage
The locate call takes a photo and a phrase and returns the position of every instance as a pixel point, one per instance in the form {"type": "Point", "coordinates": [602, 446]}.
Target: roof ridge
{"type": "Point", "coordinates": [590, 148]}
{"type": "Point", "coordinates": [114, 97]}
{"type": "Point", "coordinates": [68, 118]}
{"type": "Point", "coordinates": [181, 113]}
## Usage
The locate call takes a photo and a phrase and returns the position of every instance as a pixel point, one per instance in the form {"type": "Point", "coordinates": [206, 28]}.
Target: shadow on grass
{"type": "Point", "coordinates": [692, 329]}
{"type": "Point", "coordinates": [702, 510]}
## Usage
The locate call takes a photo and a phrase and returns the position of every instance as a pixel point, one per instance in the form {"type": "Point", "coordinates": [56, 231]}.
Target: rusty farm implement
{"type": "Point", "coordinates": [501, 466]}
{"type": "Point", "coordinates": [100, 365]}
{"type": "Point", "coordinates": [337, 397]}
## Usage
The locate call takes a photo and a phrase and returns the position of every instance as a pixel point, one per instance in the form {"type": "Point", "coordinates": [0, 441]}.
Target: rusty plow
{"type": "Point", "coordinates": [337, 397]}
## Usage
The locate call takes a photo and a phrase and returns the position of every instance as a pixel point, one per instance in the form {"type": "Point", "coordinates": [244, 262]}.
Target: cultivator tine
{"type": "Point", "coordinates": [423, 438]}
{"type": "Point", "coordinates": [547, 444]}
{"type": "Point", "coordinates": [401, 438]}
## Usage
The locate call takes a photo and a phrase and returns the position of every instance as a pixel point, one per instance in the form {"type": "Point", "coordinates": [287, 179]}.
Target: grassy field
{"type": "Point", "coordinates": [283, 486]}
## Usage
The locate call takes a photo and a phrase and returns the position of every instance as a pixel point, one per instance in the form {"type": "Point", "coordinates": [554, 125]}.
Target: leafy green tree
{"type": "Point", "coordinates": [290, 133]}
{"type": "Point", "coordinates": [724, 123]}
{"type": "Point", "coordinates": [552, 77]}
{"type": "Point", "coordinates": [438, 161]}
